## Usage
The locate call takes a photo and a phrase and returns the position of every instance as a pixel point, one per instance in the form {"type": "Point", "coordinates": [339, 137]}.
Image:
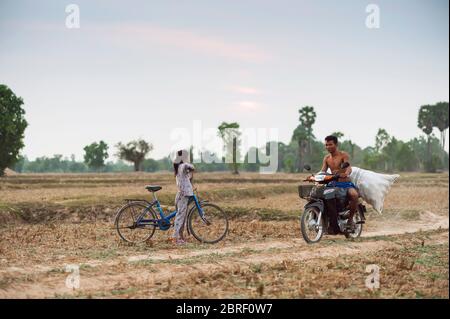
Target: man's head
{"type": "Point", "coordinates": [331, 143]}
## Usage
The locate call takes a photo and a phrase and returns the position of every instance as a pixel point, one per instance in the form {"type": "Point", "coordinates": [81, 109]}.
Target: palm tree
{"type": "Point", "coordinates": [230, 134]}
{"type": "Point", "coordinates": [301, 136]}
{"type": "Point", "coordinates": [425, 123]}
{"type": "Point", "coordinates": [307, 119]}
{"type": "Point", "coordinates": [440, 115]}
{"type": "Point", "coordinates": [303, 133]}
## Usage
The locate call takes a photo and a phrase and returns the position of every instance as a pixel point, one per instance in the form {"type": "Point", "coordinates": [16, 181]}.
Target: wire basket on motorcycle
{"type": "Point", "coordinates": [304, 191]}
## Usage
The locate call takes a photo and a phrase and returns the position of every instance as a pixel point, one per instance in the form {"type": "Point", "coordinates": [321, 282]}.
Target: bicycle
{"type": "Point", "coordinates": [208, 225]}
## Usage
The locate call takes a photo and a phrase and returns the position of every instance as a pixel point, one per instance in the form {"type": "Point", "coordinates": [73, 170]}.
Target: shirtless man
{"type": "Point", "coordinates": [333, 161]}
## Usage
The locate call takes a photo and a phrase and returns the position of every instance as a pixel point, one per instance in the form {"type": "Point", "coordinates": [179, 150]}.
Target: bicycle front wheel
{"type": "Point", "coordinates": [126, 223]}
{"type": "Point", "coordinates": [210, 228]}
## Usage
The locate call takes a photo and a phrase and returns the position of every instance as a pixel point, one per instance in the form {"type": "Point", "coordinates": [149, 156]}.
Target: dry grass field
{"type": "Point", "coordinates": [49, 221]}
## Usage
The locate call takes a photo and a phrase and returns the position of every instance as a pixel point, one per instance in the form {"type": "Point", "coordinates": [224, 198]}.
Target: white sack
{"type": "Point", "coordinates": [372, 186]}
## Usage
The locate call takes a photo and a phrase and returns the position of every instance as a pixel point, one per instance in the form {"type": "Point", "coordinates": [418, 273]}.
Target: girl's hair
{"type": "Point", "coordinates": [176, 165]}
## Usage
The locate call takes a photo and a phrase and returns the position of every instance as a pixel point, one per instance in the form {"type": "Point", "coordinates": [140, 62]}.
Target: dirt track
{"type": "Point", "coordinates": [138, 272]}
{"type": "Point", "coordinates": [50, 221]}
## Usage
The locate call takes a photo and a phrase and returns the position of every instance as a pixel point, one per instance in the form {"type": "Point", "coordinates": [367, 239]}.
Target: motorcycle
{"type": "Point", "coordinates": [327, 210]}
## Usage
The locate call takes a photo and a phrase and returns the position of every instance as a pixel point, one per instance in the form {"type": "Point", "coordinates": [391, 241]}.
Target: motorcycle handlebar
{"type": "Point", "coordinates": [334, 178]}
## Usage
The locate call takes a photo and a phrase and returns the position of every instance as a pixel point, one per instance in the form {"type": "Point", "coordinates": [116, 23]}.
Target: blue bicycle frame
{"type": "Point", "coordinates": [164, 221]}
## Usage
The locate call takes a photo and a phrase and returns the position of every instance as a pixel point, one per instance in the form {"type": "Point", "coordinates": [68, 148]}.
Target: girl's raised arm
{"type": "Point", "coordinates": [188, 166]}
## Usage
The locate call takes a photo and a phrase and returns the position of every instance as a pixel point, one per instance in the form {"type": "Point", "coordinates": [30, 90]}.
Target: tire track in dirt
{"type": "Point", "coordinates": [427, 221]}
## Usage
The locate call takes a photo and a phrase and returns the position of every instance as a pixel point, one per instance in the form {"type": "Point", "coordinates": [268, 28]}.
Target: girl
{"type": "Point", "coordinates": [183, 174]}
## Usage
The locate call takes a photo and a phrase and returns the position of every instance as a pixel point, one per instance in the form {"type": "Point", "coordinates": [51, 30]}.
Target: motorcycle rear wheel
{"type": "Point", "coordinates": [358, 227]}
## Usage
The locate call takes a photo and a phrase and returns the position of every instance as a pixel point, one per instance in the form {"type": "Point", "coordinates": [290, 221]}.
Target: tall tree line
{"type": "Point", "coordinates": [423, 153]}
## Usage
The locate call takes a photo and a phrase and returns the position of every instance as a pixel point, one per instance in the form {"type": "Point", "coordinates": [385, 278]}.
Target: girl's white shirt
{"type": "Point", "coordinates": [183, 179]}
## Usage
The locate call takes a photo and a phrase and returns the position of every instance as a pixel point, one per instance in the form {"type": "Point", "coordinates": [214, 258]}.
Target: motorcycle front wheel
{"type": "Point", "coordinates": [312, 232]}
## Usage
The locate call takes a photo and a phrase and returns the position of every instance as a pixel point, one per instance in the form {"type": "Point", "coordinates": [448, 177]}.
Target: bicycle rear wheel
{"type": "Point", "coordinates": [212, 227]}
{"type": "Point", "coordinates": [126, 223]}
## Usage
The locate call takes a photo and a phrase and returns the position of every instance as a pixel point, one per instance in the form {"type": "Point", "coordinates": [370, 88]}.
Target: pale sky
{"type": "Point", "coordinates": [140, 69]}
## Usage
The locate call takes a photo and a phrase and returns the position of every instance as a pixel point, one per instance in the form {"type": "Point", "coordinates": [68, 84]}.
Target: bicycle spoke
{"type": "Point", "coordinates": [132, 213]}
{"type": "Point", "coordinates": [210, 228]}
{"type": "Point", "coordinates": [126, 223]}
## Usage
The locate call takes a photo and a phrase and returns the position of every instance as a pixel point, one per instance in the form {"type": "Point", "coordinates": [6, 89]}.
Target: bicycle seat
{"type": "Point", "coordinates": [153, 188]}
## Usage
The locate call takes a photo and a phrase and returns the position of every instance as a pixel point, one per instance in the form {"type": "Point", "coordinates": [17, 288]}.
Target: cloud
{"type": "Point", "coordinates": [146, 36]}
{"type": "Point", "coordinates": [248, 105]}
{"type": "Point", "coordinates": [185, 39]}
{"type": "Point", "coordinates": [246, 90]}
